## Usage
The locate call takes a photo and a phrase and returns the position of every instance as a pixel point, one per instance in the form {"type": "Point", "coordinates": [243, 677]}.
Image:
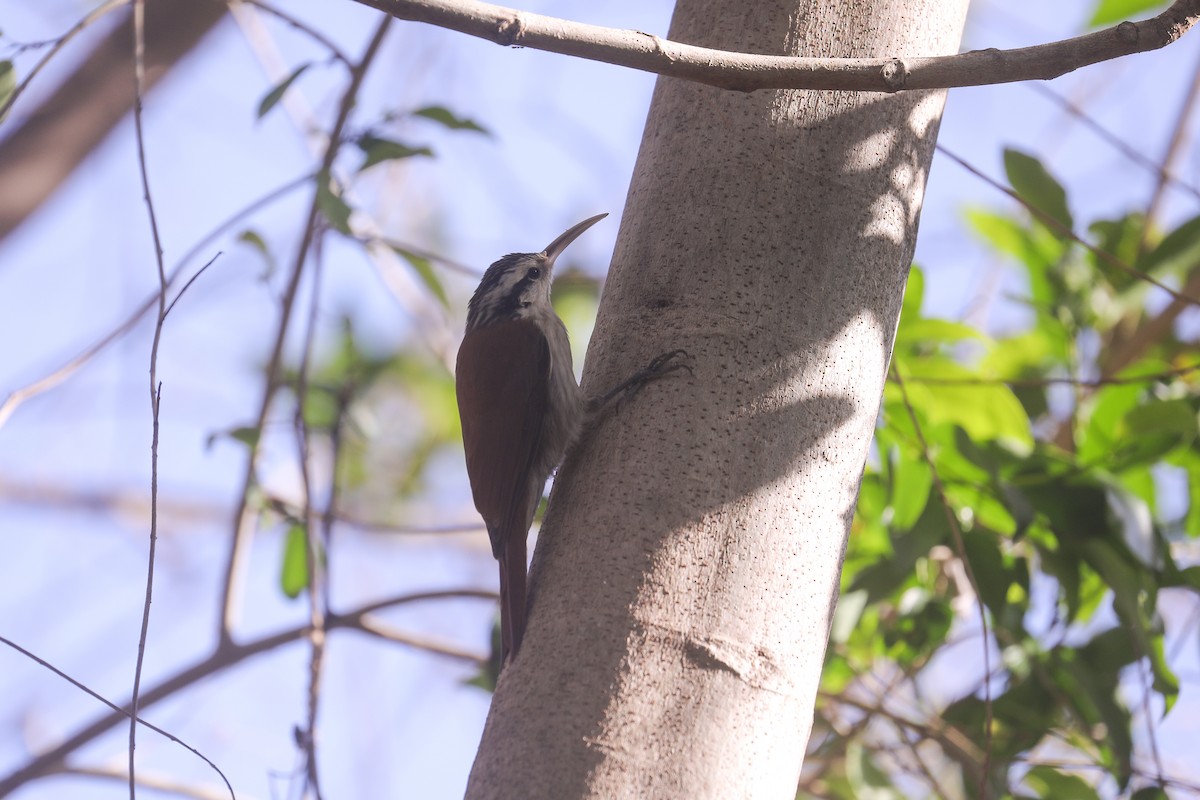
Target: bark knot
{"type": "Point", "coordinates": [894, 74]}
{"type": "Point", "coordinates": [510, 31]}
{"type": "Point", "coordinates": [1128, 32]}
{"type": "Point", "coordinates": [754, 665]}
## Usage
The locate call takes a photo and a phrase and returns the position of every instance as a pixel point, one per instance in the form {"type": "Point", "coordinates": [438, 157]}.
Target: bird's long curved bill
{"type": "Point", "coordinates": [555, 248]}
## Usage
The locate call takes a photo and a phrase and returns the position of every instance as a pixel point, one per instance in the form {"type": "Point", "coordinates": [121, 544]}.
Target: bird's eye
{"type": "Point", "coordinates": [535, 273]}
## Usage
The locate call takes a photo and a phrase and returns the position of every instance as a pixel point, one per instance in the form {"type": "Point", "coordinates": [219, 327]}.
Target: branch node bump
{"type": "Point", "coordinates": [659, 48]}
{"type": "Point", "coordinates": [511, 31]}
{"type": "Point", "coordinates": [894, 74]}
{"type": "Point", "coordinates": [1127, 32]}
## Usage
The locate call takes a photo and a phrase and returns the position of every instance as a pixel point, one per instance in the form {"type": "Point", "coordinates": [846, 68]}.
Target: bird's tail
{"type": "Point", "coordinates": [512, 595]}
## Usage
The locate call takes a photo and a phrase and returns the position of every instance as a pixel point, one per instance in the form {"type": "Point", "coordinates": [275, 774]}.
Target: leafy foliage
{"type": "Point", "coordinates": [1055, 483]}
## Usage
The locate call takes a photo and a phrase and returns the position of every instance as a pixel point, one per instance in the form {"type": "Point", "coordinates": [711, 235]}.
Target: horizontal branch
{"type": "Point", "coordinates": [748, 72]}
{"type": "Point", "coordinates": [227, 655]}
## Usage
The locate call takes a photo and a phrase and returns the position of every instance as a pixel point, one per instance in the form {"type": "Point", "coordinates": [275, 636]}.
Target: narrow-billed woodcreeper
{"type": "Point", "coordinates": [521, 407]}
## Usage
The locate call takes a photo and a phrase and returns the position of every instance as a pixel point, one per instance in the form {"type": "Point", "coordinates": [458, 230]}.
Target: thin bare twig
{"type": "Point", "coordinates": [1034, 383]}
{"type": "Point", "coordinates": [1148, 712]}
{"type": "Point", "coordinates": [224, 657]}
{"type": "Point", "coordinates": [961, 546]}
{"type": "Point", "coordinates": [903, 735]}
{"type": "Point", "coordinates": [430, 320]}
{"type": "Point", "coordinates": [1115, 142]}
{"type": "Point", "coordinates": [1126, 349]}
{"type": "Point", "coordinates": [420, 252]}
{"type": "Point", "coordinates": [244, 514]}
{"type": "Point", "coordinates": [188, 285]}
{"type": "Point", "coordinates": [287, 508]}
{"type": "Point", "coordinates": [56, 377]}
{"type": "Point", "coordinates": [124, 712]}
{"type": "Point", "coordinates": [1174, 148]}
{"type": "Point", "coordinates": [945, 734]}
{"type": "Point", "coordinates": [317, 584]}
{"type": "Point", "coordinates": [139, 79]}
{"type": "Point", "coordinates": [157, 783]}
{"type": "Point", "coordinates": [57, 45]}
{"type": "Point", "coordinates": [304, 28]}
{"type": "Point", "coordinates": [1123, 353]}
{"type": "Point", "coordinates": [747, 72]}
{"type": "Point", "coordinates": [390, 634]}
{"type": "Point", "coordinates": [1063, 230]}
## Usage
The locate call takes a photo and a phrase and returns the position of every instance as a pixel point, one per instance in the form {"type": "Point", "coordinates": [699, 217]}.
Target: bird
{"type": "Point", "coordinates": [520, 406]}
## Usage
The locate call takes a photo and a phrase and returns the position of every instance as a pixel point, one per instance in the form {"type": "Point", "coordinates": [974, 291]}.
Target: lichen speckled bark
{"type": "Point", "coordinates": [685, 576]}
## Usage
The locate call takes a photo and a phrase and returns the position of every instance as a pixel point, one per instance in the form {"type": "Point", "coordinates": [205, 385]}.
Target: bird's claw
{"type": "Point", "coordinates": [659, 366]}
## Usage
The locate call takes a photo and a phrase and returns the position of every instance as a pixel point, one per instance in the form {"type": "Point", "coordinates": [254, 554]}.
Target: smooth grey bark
{"type": "Point", "coordinates": [686, 574]}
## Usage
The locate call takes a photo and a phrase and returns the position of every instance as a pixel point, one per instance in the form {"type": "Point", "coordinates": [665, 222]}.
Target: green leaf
{"type": "Point", "coordinates": [1048, 782]}
{"type": "Point", "coordinates": [1190, 461]}
{"type": "Point", "coordinates": [377, 150]}
{"type": "Point", "coordinates": [1034, 247]}
{"type": "Point", "coordinates": [911, 480]}
{"type": "Point", "coordinates": [272, 98]}
{"type": "Point", "coordinates": [489, 671]}
{"type": "Point", "coordinates": [938, 331]}
{"type": "Point", "coordinates": [1151, 431]}
{"type": "Point", "coordinates": [1176, 417]}
{"type": "Point", "coordinates": [335, 209]}
{"type": "Point", "coordinates": [424, 269]}
{"type": "Point", "coordinates": [245, 434]}
{"type": "Point", "coordinates": [987, 564]}
{"type": "Point", "coordinates": [321, 409]}
{"type": "Point", "coordinates": [1122, 239]}
{"type": "Point", "coordinates": [1037, 187]}
{"type": "Point", "coordinates": [1091, 678]}
{"type": "Point", "coordinates": [1103, 431]}
{"type": "Point", "coordinates": [252, 238]}
{"type": "Point", "coordinates": [849, 609]}
{"type": "Point", "coordinates": [914, 294]}
{"type": "Point", "coordinates": [293, 573]}
{"type": "Point", "coordinates": [1149, 793]}
{"type": "Point", "coordinates": [1178, 253]}
{"type": "Point", "coordinates": [446, 117]}
{"type": "Point", "coordinates": [1166, 683]}
{"type": "Point", "coordinates": [986, 411]}
{"type": "Point", "coordinates": [886, 575]}
{"type": "Point", "coordinates": [1109, 11]}
{"type": "Point", "coordinates": [8, 83]}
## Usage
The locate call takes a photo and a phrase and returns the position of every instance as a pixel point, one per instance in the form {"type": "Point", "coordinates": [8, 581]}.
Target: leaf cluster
{"type": "Point", "coordinates": [1061, 471]}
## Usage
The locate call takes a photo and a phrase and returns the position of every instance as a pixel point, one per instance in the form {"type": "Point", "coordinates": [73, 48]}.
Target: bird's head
{"type": "Point", "coordinates": [518, 285]}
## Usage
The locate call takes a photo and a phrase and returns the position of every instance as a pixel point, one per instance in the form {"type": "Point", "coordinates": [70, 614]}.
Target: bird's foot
{"type": "Point", "coordinates": [658, 367]}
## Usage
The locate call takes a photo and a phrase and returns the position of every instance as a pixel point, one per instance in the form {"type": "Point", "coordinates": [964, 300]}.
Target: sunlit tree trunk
{"type": "Point", "coordinates": [688, 567]}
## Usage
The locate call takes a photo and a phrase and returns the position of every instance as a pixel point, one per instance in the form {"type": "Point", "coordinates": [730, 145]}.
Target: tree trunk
{"type": "Point", "coordinates": [686, 574]}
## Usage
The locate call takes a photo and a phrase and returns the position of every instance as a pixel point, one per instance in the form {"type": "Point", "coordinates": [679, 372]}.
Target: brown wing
{"type": "Point", "coordinates": [502, 382]}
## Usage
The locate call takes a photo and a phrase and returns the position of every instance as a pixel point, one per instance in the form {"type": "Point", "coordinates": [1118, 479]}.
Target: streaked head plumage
{"type": "Point", "coordinates": [519, 282]}
{"type": "Point", "coordinates": [511, 285]}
